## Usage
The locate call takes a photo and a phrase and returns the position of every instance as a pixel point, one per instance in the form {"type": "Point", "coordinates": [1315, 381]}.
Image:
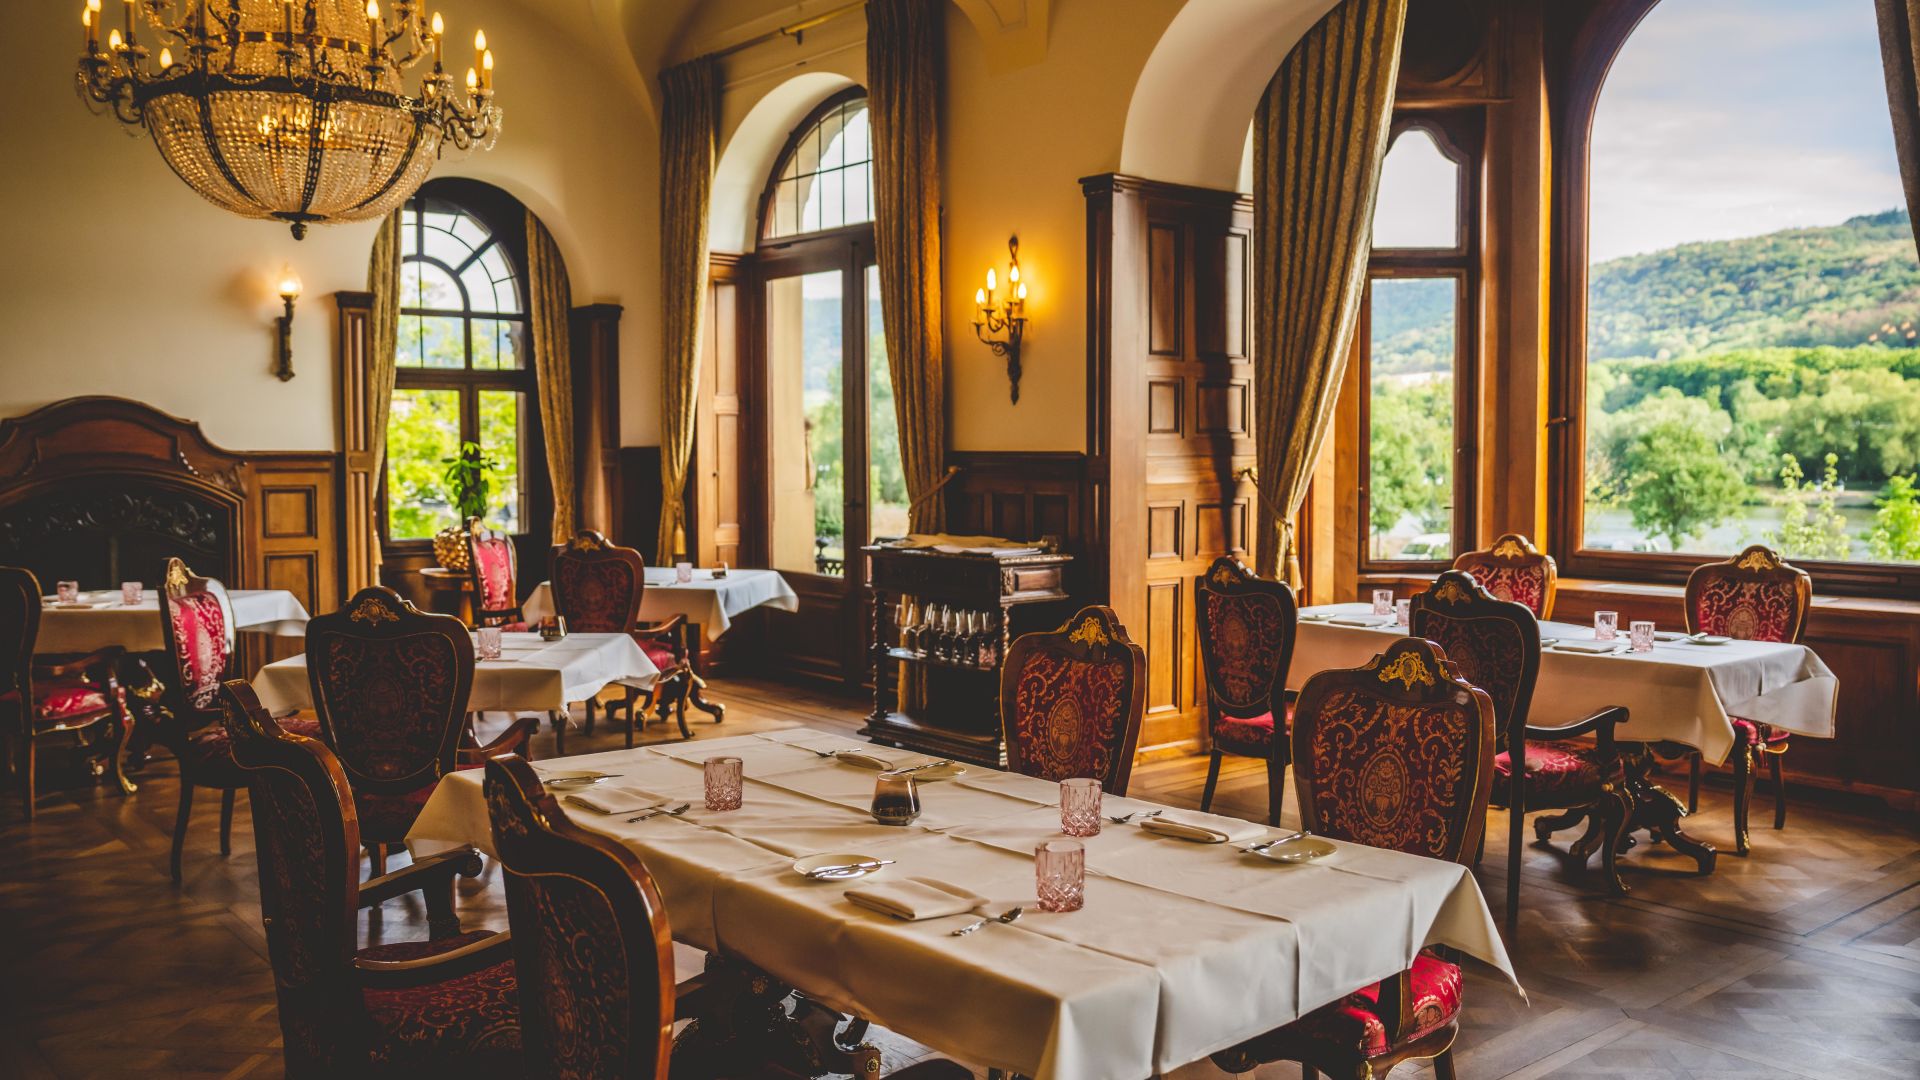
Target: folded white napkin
{"type": "Point", "coordinates": [1589, 646]}
{"type": "Point", "coordinates": [1361, 620]}
{"type": "Point", "coordinates": [914, 899]}
{"type": "Point", "coordinates": [619, 800]}
{"type": "Point", "coordinates": [1203, 828]}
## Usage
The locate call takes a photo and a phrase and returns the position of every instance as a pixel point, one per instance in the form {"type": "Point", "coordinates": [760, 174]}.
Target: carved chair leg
{"type": "Point", "coordinates": [559, 719]}
{"type": "Point", "coordinates": [117, 753]}
{"type": "Point", "coordinates": [1443, 1065]}
{"type": "Point", "coordinates": [442, 922]}
{"type": "Point", "coordinates": [26, 779]}
{"type": "Point", "coordinates": [1779, 790]}
{"type": "Point", "coordinates": [1616, 811]}
{"type": "Point", "coordinates": [680, 709]}
{"type": "Point", "coordinates": [180, 826]}
{"type": "Point", "coordinates": [1213, 779]}
{"type": "Point", "coordinates": [1276, 789]}
{"type": "Point", "coordinates": [1693, 782]}
{"type": "Point", "coordinates": [1516, 839]}
{"type": "Point", "coordinates": [226, 821]}
{"type": "Point", "coordinates": [592, 707]}
{"type": "Point", "coordinates": [376, 859]}
{"type": "Point", "coordinates": [1742, 796]}
{"type": "Point", "coordinates": [1546, 825]}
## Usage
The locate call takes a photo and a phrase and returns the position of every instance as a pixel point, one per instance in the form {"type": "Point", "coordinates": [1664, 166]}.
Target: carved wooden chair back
{"type": "Point", "coordinates": [1397, 754]}
{"type": "Point", "coordinates": [1071, 700]}
{"type": "Point", "coordinates": [1493, 644]}
{"type": "Point", "coordinates": [307, 840]}
{"type": "Point", "coordinates": [19, 628]}
{"type": "Point", "coordinates": [390, 685]}
{"type": "Point", "coordinates": [597, 584]}
{"type": "Point", "coordinates": [196, 622]}
{"type": "Point", "coordinates": [1756, 596]}
{"type": "Point", "coordinates": [1513, 569]}
{"type": "Point", "coordinates": [495, 567]}
{"type": "Point", "coordinates": [1247, 626]}
{"type": "Point", "coordinates": [603, 1011]}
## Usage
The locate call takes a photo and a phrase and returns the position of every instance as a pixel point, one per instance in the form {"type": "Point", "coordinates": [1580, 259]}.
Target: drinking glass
{"type": "Point", "coordinates": [724, 781]}
{"type": "Point", "coordinates": [68, 592]}
{"type": "Point", "coordinates": [1383, 601]}
{"type": "Point", "coordinates": [896, 799]}
{"type": "Point", "coordinates": [1080, 807]}
{"type": "Point", "coordinates": [1640, 634]}
{"type": "Point", "coordinates": [487, 646]}
{"type": "Point", "coordinates": [131, 592]}
{"type": "Point", "coordinates": [720, 571]}
{"type": "Point", "coordinates": [1060, 874]}
{"type": "Point", "coordinates": [1605, 624]}
{"type": "Point", "coordinates": [1403, 612]}
{"type": "Point", "coordinates": [683, 572]}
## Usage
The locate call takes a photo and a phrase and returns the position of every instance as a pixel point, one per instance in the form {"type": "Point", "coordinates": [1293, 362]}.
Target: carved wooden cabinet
{"type": "Point", "coordinates": [940, 694]}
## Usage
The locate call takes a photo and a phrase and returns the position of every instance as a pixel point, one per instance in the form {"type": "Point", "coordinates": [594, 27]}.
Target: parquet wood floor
{"type": "Point", "coordinates": [1800, 961]}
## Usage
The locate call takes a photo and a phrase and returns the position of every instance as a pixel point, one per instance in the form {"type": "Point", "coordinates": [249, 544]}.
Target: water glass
{"type": "Point", "coordinates": [720, 571]}
{"type": "Point", "coordinates": [487, 647]}
{"type": "Point", "coordinates": [1640, 634]}
{"type": "Point", "coordinates": [1383, 601]}
{"type": "Point", "coordinates": [1403, 612]}
{"type": "Point", "coordinates": [68, 592]}
{"type": "Point", "coordinates": [1080, 807]}
{"type": "Point", "coordinates": [1605, 625]}
{"type": "Point", "coordinates": [1060, 874]}
{"type": "Point", "coordinates": [132, 592]}
{"type": "Point", "coordinates": [725, 779]}
{"type": "Point", "coordinates": [896, 798]}
{"type": "Point", "coordinates": [683, 572]}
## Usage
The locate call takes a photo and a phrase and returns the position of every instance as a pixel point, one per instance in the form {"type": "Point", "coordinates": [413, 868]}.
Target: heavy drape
{"type": "Point", "coordinates": [905, 50]}
{"type": "Point", "coordinates": [549, 307]}
{"type": "Point", "coordinates": [1900, 56]}
{"type": "Point", "coordinates": [383, 281]}
{"type": "Point", "coordinates": [689, 130]}
{"type": "Point", "coordinates": [1318, 139]}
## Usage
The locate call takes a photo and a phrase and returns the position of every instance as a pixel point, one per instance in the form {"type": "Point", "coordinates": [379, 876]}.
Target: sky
{"type": "Point", "coordinates": [1731, 118]}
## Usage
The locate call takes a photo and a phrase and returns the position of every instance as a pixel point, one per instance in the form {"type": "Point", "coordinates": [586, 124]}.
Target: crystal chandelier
{"type": "Point", "coordinates": [292, 110]}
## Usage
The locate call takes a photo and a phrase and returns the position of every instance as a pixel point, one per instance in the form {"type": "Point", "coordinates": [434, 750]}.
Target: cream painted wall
{"type": "Point", "coordinates": [117, 279]}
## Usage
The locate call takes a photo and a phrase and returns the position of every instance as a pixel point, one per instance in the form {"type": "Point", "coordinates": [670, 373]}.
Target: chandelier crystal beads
{"type": "Point", "coordinates": [290, 110]}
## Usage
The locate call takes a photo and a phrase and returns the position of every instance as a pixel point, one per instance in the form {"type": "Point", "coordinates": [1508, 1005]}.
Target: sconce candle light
{"type": "Point", "coordinates": [1010, 317]}
{"type": "Point", "coordinates": [289, 289]}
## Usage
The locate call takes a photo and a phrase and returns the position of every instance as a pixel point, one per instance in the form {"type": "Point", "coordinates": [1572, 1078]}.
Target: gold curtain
{"type": "Point", "coordinates": [1900, 56]}
{"type": "Point", "coordinates": [1318, 139]}
{"type": "Point", "coordinates": [549, 306]}
{"type": "Point", "coordinates": [689, 130]}
{"type": "Point", "coordinates": [905, 50]}
{"type": "Point", "coordinates": [383, 281]}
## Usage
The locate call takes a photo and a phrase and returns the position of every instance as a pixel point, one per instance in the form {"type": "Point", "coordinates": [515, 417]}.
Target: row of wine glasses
{"type": "Point", "coordinates": [949, 633]}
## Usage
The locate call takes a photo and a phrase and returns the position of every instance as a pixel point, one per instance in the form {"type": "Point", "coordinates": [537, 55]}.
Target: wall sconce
{"type": "Point", "coordinates": [289, 289]}
{"type": "Point", "coordinates": [1009, 318]}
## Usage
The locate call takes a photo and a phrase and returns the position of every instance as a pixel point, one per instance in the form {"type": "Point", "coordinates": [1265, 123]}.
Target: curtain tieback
{"type": "Point", "coordinates": [952, 471]}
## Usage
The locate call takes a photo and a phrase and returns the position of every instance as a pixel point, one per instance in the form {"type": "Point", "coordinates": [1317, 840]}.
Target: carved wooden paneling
{"type": "Point", "coordinates": [359, 481]}
{"type": "Point", "coordinates": [1166, 293]}
{"type": "Point", "coordinates": [295, 544]}
{"type": "Point", "coordinates": [1221, 529]}
{"type": "Point", "coordinates": [1164, 638]}
{"type": "Point", "coordinates": [1165, 521]}
{"type": "Point", "coordinates": [595, 340]}
{"type": "Point", "coordinates": [720, 461]}
{"type": "Point", "coordinates": [1165, 408]}
{"type": "Point", "coordinates": [1221, 407]}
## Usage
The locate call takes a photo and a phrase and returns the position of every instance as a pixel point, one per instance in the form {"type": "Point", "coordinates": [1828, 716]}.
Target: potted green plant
{"type": "Point", "coordinates": [469, 487]}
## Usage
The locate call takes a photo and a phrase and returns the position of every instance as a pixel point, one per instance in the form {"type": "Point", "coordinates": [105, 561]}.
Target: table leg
{"type": "Point", "coordinates": [697, 694]}
{"type": "Point", "coordinates": [1657, 810]}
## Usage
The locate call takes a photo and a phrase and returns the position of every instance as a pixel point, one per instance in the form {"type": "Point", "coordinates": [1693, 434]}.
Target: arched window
{"type": "Point", "coordinates": [463, 370]}
{"type": "Point", "coordinates": [1751, 302]}
{"type": "Point", "coordinates": [825, 180]}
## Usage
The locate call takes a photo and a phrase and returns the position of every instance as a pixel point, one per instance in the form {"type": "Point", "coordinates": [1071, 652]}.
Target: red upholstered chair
{"type": "Point", "coordinates": [390, 685]}
{"type": "Point", "coordinates": [597, 587]}
{"type": "Point", "coordinates": [1071, 701]}
{"type": "Point", "coordinates": [1754, 596]}
{"type": "Point", "coordinates": [443, 1007]}
{"type": "Point", "coordinates": [495, 570]}
{"type": "Point", "coordinates": [76, 697]}
{"type": "Point", "coordinates": [1513, 569]}
{"type": "Point", "coordinates": [1495, 645]}
{"type": "Point", "coordinates": [196, 622]}
{"type": "Point", "coordinates": [1246, 626]}
{"type": "Point", "coordinates": [1397, 754]}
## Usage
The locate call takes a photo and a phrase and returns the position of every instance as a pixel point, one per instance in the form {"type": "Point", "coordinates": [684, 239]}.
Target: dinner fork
{"type": "Point", "coordinates": [1265, 844]}
{"type": "Point", "coordinates": [661, 812]}
{"type": "Point", "coordinates": [1122, 819]}
{"type": "Point", "coordinates": [1012, 914]}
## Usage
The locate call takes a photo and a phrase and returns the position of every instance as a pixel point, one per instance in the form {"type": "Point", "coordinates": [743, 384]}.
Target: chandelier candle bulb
{"type": "Point", "coordinates": [479, 46]}
{"type": "Point", "coordinates": [486, 70]}
{"type": "Point", "coordinates": [166, 58]}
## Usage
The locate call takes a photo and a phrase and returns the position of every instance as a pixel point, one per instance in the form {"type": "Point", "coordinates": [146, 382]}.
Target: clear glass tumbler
{"type": "Point", "coordinates": [725, 778]}
{"type": "Point", "coordinates": [1403, 612]}
{"type": "Point", "coordinates": [68, 592]}
{"type": "Point", "coordinates": [1080, 807]}
{"type": "Point", "coordinates": [132, 592]}
{"type": "Point", "coordinates": [1060, 874]}
{"type": "Point", "coordinates": [487, 643]}
{"type": "Point", "coordinates": [896, 798]}
{"type": "Point", "coordinates": [1606, 624]}
{"type": "Point", "coordinates": [1383, 601]}
{"type": "Point", "coordinates": [1640, 634]}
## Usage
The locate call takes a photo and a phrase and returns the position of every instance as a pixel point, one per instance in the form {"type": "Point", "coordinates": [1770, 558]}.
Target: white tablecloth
{"type": "Point", "coordinates": [137, 627]}
{"type": "Point", "coordinates": [531, 675]}
{"type": "Point", "coordinates": [712, 603]}
{"type": "Point", "coordinates": [1679, 692]}
{"type": "Point", "coordinates": [1182, 949]}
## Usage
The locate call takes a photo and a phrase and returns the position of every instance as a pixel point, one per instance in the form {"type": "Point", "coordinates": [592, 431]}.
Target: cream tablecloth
{"type": "Point", "coordinates": [137, 627]}
{"type": "Point", "coordinates": [531, 675]}
{"type": "Point", "coordinates": [1680, 692]}
{"type": "Point", "coordinates": [707, 601]}
{"type": "Point", "coordinates": [1182, 949]}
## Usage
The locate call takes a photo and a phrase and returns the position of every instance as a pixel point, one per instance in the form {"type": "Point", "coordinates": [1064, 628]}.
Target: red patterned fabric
{"type": "Point", "coordinates": [1391, 775]}
{"type": "Point", "coordinates": [58, 700]}
{"type": "Point", "coordinates": [661, 655]}
{"type": "Point", "coordinates": [1760, 734]}
{"type": "Point", "coordinates": [1751, 610]}
{"type": "Point", "coordinates": [386, 819]}
{"type": "Point", "coordinates": [1352, 1024]}
{"type": "Point", "coordinates": [1566, 773]}
{"type": "Point", "coordinates": [1247, 633]}
{"type": "Point", "coordinates": [209, 751]}
{"type": "Point", "coordinates": [199, 645]}
{"type": "Point", "coordinates": [1489, 652]}
{"type": "Point", "coordinates": [1525, 584]}
{"type": "Point", "coordinates": [389, 701]}
{"type": "Point", "coordinates": [598, 593]}
{"type": "Point", "coordinates": [1070, 715]}
{"type": "Point", "coordinates": [1248, 736]}
{"type": "Point", "coordinates": [493, 560]}
{"type": "Point", "coordinates": [467, 1025]}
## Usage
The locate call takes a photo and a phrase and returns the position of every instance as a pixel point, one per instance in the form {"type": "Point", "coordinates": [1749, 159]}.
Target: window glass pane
{"type": "Point", "coordinates": [506, 298]}
{"type": "Point", "coordinates": [442, 245]}
{"type": "Point", "coordinates": [824, 208]}
{"type": "Point", "coordinates": [886, 483]}
{"type": "Point", "coordinates": [805, 350]}
{"type": "Point", "coordinates": [1410, 419]}
{"type": "Point", "coordinates": [479, 287]}
{"type": "Point", "coordinates": [1752, 375]}
{"type": "Point", "coordinates": [423, 429]}
{"type": "Point", "coordinates": [501, 438]}
{"type": "Point", "coordinates": [409, 234]}
{"type": "Point", "coordinates": [442, 340]}
{"type": "Point", "coordinates": [496, 344]}
{"type": "Point", "coordinates": [424, 285]}
{"type": "Point", "coordinates": [1419, 201]}
{"type": "Point", "coordinates": [469, 232]}
{"type": "Point", "coordinates": [827, 182]}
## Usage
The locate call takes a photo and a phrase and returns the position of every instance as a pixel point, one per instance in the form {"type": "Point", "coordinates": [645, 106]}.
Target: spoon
{"type": "Point", "coordinates": [1122, 819]}
{"type": "Point", "coordinates": [675, 812]}
{"type": "Point", "coordinates": [1010, 915]}
{"type": "Point", "coordinates": [1265, 844]}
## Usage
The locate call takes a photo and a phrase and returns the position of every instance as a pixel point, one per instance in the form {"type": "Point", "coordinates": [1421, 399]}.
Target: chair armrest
{"type": "Point", "coordinates": [82, 665]}
{"type": "Point", "coordinates": [1601, 724]}
{"type": "Point", "coordinates": [401, 974]}
{"type": "Point", "coordinates": [420, 875]}
{"type": "Point", "coordinates": [511, 741]}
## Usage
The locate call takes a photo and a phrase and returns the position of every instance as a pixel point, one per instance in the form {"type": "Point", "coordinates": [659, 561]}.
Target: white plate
{"type": "Point", "coordinates": [1305, 849]}
{"type": "Point", "coordinates": [1316, 616]}
{"type": "Point", "coordinates": [1709, 639]}
{"type": "Point", "coordinates": [808, 865]}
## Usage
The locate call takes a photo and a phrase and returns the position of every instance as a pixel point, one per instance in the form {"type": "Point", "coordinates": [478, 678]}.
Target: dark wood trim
{"type": "Point", "coordinates": [594, 334]}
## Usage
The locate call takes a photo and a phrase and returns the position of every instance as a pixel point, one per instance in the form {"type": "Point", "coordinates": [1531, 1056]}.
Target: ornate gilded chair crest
{"type": "Point", "coordinates": [1407, 668]}
{"type": "Point", "coordinates": [1071, 700]}
{"type": "Point", "coordinates": [1090, 633]}
{"type": "Point", "coordinates": [1758, 557]}
{"type": "Point", "coordinates": [374, 610]}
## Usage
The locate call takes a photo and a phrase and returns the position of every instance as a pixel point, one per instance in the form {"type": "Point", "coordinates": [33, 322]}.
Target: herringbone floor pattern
{"type": "Point", "coordinates": [1800, 961]}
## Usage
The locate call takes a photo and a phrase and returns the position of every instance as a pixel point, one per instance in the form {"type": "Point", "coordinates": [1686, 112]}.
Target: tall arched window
{"type": "Point", "coordinates": [464, 373]}
{"type": "Point", "coordinates": [1751, 305]}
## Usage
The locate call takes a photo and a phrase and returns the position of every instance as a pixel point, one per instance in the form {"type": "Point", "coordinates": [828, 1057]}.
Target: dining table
{"type": "Point", "coordinates": [98, 619]}
{"type": "Point", "coordinates": [1685, 692]}
{"type": "Point", "coordinates": [1182, 948]}
{"type": "Point", "coordinates": [708, 601]}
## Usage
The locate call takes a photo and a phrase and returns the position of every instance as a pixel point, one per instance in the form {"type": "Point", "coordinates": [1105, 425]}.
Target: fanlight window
{"type": "Point", "coordinates": [1419, 201]}
{"type": "Point", "coordinates": [826, 181]}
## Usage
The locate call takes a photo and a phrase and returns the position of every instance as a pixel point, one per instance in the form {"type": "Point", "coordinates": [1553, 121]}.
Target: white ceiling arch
{"type": "Point", "coordinates": [741, 174]}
